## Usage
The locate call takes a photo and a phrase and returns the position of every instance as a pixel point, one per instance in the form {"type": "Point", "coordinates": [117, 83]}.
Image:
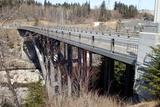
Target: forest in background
{"type": "Point", "coordinates": [65, 13]}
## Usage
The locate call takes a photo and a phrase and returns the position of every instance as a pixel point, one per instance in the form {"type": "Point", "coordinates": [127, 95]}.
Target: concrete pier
{"type": "Point", "coordinates": [108, 74]}
{"type": "Point", "coordinates": [129, 80]}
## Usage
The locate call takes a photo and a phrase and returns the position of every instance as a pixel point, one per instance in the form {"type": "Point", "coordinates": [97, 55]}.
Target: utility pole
{"type": "Point", "coordinates": [157, 11]}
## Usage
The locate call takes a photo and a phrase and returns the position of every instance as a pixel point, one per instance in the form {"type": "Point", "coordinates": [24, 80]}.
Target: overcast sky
{"type": "Point", "coordinates": [141, 4]}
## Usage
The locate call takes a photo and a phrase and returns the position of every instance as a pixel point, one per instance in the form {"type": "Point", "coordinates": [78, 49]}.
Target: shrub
{"type": "Point", "coordinates": [36, 95]}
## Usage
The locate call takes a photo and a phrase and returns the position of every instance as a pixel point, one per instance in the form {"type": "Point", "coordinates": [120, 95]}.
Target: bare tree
{"type": "Point", "coordinates": [3, 65]}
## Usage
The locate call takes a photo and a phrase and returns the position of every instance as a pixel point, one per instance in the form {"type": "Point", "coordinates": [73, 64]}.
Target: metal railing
{"type": "Point", "coordinates": [99, 31]}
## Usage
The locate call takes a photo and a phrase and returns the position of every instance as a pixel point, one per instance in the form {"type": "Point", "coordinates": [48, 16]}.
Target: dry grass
{"type": "Point", "coordinates": [92, 100]}
{"type": "Point", "coordinates": [25, 22]}
{"type": "Point", "coordinates": [86, 100]}
{"type": "Point", "coordinates": [111, 24]}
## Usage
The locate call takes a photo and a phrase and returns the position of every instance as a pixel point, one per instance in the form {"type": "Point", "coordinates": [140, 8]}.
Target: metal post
{"type": "Point", "coordinates": [69, 69]}
{"type": "Point", "coordinates": [80, 67]}
{"type": "Point", "coordinates": [129, 80]}
{"type": "Point", "coordinates": [59, 76]}
{"type": "Point", "coordinates": [85, 73]}
{"type": "Point", "coordinates": [65, 51]}
{"type": "Point", "coordinates": [80, 61]}
{"type": "Point", "coordinates": [92, 38]}
{"type": "Point", "coordinates": [43, 48]}
{"type": "Point", "coordinates": [58, 51]}
{"type": "Point", "coordinates": [108, 74]}
{"type": "Point", "coordinates": [90, 59]}
{"type": "Point", "coordinates": [84, 63]}
{"type": "Point", "coordinates": [79, 56]}
{"type": "Point", "coordinates": [41, 44]}
{"type": "Point", "coordinates": [112, 45]}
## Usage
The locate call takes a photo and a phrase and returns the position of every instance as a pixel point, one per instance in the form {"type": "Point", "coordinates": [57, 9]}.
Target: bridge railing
{"type": "Point", "coordinates": [100, 31]}
{"type": "Point", "coordinates": [108, 34]}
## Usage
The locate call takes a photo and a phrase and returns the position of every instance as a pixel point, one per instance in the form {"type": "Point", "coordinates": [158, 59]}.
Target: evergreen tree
{"type": "Point", "coordinates": [104, 13]}
{"type": "Point", "coordinates": [132, 11]}
{"type": "Point", "coordinates": [30, 2]}
{"type": "Point", "coordinates": [89, 7]}
{"type": "Point", "coordinates": [152, 75]}
{"type": "Point", "coordinates": [49, 3]}
{"type": "Point", "coordinates": [126, 11]}
{"type": "Point", "coordinates": [45, 3]}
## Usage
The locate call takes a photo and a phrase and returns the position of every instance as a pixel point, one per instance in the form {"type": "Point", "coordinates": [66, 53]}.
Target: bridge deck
{"type": "Point", "coordinates": [125, 49]}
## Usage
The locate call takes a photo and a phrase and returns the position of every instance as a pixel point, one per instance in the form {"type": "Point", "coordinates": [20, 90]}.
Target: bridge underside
{"type": "Point", "coordinates": [61, 69]}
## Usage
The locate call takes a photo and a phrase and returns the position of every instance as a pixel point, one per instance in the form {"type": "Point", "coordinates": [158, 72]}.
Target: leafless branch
{"type": "Point", "coordinates": [3, 55]}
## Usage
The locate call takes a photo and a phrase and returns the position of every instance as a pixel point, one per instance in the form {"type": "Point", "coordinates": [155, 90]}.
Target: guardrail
{"type": "Point", "coordinates": [100, 31]}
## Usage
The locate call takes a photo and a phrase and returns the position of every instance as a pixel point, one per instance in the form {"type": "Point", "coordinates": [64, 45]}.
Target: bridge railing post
{"type": "Point", "coordinates": [93, 38]}
{"type": "Point", "coordinates": [112, 45]}
{"type": "Point", "coordinates": [79, 36]}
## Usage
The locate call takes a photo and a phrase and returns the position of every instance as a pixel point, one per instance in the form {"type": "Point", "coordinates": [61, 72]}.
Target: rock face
{"type": "Point", "coordinates": [20, 80]}
{"type": "Point", "coordinates": [21, 69]}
